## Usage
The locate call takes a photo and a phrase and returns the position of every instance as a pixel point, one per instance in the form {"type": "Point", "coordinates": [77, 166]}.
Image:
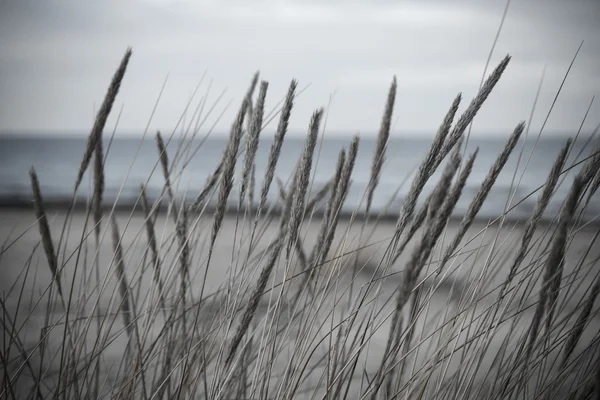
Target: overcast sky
{"type": "Point", "coordinates": [57, 58]}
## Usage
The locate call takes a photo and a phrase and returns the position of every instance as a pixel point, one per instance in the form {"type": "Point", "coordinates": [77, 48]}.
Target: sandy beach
{"type": "Point", "coordinates": [454, 287]}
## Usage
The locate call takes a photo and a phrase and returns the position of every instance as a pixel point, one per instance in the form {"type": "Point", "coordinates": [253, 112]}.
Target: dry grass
{"type": "Point", "coordinates": [429, 309]}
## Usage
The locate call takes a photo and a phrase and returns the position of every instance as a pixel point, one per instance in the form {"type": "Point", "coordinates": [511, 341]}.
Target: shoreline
{"type": "Point", "coordinates": [81, 206]}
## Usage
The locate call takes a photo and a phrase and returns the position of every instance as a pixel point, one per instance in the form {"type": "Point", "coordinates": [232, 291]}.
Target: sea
{"type": "Point", "coordinates": [132, 161]}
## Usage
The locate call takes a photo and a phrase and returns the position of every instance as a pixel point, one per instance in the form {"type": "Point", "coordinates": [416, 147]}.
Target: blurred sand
{"type": "Point", "coordinates": [454, 286]}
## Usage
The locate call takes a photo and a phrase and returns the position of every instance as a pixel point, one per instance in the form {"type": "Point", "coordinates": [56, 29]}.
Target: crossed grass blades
{"type": "Point", "coordinates": [290, 320]}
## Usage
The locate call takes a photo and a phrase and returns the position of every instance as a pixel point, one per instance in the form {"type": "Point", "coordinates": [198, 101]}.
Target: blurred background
{"type": "Point", "coordinates": [57, 58]}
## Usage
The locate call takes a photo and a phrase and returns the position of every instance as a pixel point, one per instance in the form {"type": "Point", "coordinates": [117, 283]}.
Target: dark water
{"type": "Point", "coordinates": [132, 162]}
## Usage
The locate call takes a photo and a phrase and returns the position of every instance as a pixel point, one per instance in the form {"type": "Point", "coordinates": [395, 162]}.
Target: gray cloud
{"type": "Point", "coordinates": [57, 57]}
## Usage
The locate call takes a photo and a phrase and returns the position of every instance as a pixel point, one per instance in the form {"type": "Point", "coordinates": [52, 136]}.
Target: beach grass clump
{"type": "Point", "coordinates": [299, 298]}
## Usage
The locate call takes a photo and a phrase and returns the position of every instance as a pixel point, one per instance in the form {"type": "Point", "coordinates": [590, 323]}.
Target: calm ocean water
{"type": "Point", "coordinates": [57, 159]}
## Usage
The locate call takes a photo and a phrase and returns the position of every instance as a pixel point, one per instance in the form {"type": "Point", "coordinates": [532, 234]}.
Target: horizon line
{"type": "Point", "coordinates": [294, 133]}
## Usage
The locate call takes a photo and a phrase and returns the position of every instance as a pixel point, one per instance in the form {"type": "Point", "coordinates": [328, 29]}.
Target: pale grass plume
{"type": "Point", "coordinates": [303, 178]}
{"type": "Point", "coordinates": [426, 170]}
{"type": "Point", "coordinates": [164, 163]}
{"type": "Point", "coordinates": [289, 198]}
{"type": "Point", "coordinates": [250, 102]}
{"type": "Point", "coordinates": [340, 196]}
{"type": "Point", "coordinates": [181, 231]}
{"type": "Point", "coordinates": [102, 116]}
{"type": "Point", "coordinates": [252, 139]}
{"type": "Point", "coordinates": [228, 161]}
{"type": "Point", "coordinates": [302, 259]}
{"type": "Point", "coordinates": [251, 89]}
{"type": "Point", "coordinates": [277, 143]}
{"type": "Point", "coordinates": [444, 198]}
{"type": "Point", "coordinates": [441, 188]}
{"type": "Point", "coordinates": [381, 144]}
{"type": "Point", "coordinates": [252, 186]}
{"type": "Point", "coordinates": [469, 114]}
{"type": "Point", "coordinates": [234, 140]}
{"type": "Point", "coordinates": [98, 186]}
{"type": "Point", "coordinates": [44, 227]}
{"type": "Point", "coordinates": [443, 131]}
{"type": "Point", "coordinates": [434, 201]}
{"type": "Point", "coordinates": [327, 217]}
{"type": "Point", "coordinates": [447, 206]}
{"type": "Point", "coordinates": [483, 192]}
{"type": "Point", "coordinates": [97, 210]}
